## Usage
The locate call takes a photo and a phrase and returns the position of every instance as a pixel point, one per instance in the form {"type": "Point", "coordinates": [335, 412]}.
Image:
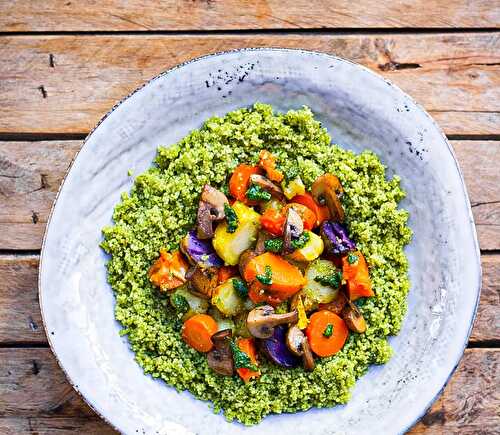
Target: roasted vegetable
{"type": "Point", "coordinates": [337, 305]}
{"type": "Point", "coordinates": [299, 345]}
{"type": "Point", "coordinates": [336, 238]}
{"type": "Point", "coordinates": [268, 162]}
{"type": "Point", "coordinates": [273, 221]}
{"type": "Point", "coordinates": [199, 251]}
{"type": "Point", "coordinates": [197, 332]}
{"type": "Point", "coordinates": [262, 320]}
{"type": "Point", "coordinates": [321, 211]}
{"type": "Point", "coordinates": [355, 271]}
{"type": "Point", "coordinates": [229, 246]}
{"type": "Point", "coordinates": [220, 358]}
{"type": "Point", "coordinates": [325, 322]}
{"type": "Point", "coordinates": [196, 305]}
{"type": "Point", "coordinates": [312, 249]}
{"type": "Point", "coordinates": [267, 186]}
{"type": "Point", "coordinates": [320, 291]}
{"type": "Point", "coordinates": [276, 350]}
{"type": "Point", "coordinates": [353, 318]}
{"type": "Point", "coordinates": [240, 182]}
{"type": "Point", "coordinates": [327, 190]}
{"type": "Point", "coordinates": [293, 187]}
{"type": "Point", "coordinates": [286, 278]}
{"type": "Point", "coordinates": [245, 358]}
{"type": "Point", "coordinates": [240, 325]}
{"type": "Point", "coordinates": [203, 280]}
{"type": "Point", "coordinates": [227, 299]}
{"type": "Point", "coordinates": [223, 322]}
{"type": "Point", "coordinates": [168, 271]}
{"type": "Point", "coordinates": [210, 209]}
{"type": "Point", "coordinates": [293, 229]}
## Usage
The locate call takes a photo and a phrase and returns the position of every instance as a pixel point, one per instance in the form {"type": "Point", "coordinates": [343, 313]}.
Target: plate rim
{"type": "Point", "coordinates": [477, 250]}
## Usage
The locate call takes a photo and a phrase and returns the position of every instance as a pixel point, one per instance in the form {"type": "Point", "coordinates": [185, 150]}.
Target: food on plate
{"type": "Point", "coordinates": [259, 266]}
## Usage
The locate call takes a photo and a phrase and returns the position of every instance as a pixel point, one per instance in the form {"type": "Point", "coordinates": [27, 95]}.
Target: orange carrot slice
{"type": "Point", "coordinates": [247, 345]}
{"type": "Point", "coordinates": [197, 332]}
{"type": "Point", "coordinates": [326, 333]}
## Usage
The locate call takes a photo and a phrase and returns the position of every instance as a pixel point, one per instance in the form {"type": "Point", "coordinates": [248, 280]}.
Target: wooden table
{"type": "Point", "coordinates": [63, 64]}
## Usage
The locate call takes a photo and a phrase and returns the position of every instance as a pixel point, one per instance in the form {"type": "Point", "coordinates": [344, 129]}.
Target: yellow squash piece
{"type": "Point", "coordinates": [312, 249]}
{"type": "Point", "coordinates": [293, 188]}
{"type": "Point", "coordinates": [229, 246]}
{"type": "Point", "coordinates": [303, 320]}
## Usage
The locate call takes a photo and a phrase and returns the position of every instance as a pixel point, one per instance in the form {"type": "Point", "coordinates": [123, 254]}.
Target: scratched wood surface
{"type": "Point", "coordinates": [63, 64]}
{"type": "Point", "coordinates": [455, 76]}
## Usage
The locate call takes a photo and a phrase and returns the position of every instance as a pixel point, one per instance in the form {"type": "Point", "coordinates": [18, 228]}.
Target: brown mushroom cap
{"type": "Point", "coordinates": [328, 190]}
{"type": "Point", "coordinates": [220, 358]}
{"type": "Point", "coordinates": [298, 344]}
{"type": "Point", "coordinates": [267, 185]}
{"type": "Point", "coordinates": [293, 227]}
{"type": "Point", "coordinates": [262, 320]}
{"type": "Point", "coordinates": [353, 318]}
{"type": "Point", "coordinates": [337, 305]}
{"type": "Point", "coordinates": [262, 237]}
{"type": "Point", "coordinates": [210, 210]}
{"type": "Point", "coordinates": [202, 280]}
{"type": "Point", "coordinates": [245, 257]}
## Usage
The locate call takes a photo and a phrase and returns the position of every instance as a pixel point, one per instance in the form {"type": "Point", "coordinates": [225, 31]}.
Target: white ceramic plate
{"type": "Point", "coordinates": [360, 110]}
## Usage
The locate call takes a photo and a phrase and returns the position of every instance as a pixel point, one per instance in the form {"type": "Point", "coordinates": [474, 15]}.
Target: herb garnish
{"type": "Point", "coordinates": [352, 258]}
{"type": "Point", "coordinates": [301, 241]}
{"type": "Point", "coordinates": [332, 280]}
{"type": "Point", "coordinates": [273, 245]}
{"type": "Point", "coordinates": [231, 217]}
{"type": "Point", "coordinates": [267, 278]}
{"type": "Point", "coordinates": [241, 359]}
{"type": "Point", "coordinates": [179, 303]}
{"type": "Point", "coordinates": [240, 287]}
{"type": "Point", "coordinates": [292, 173]}
{"type": "Point", "coordinates": [257, 193]}
{"type": "Point", "coordinates": [328, 330]}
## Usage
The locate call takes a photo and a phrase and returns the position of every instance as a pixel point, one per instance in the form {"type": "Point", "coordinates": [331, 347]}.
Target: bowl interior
{"type": "Point", "coordinates": [361, 111]}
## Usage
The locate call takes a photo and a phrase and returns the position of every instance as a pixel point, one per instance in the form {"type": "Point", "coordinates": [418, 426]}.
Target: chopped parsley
{"type": "Point", "coordinates": [231, 217]}
{"type": "Point", "coordinates": [257, 193]}
{"type": "Point", "coordinates": [240, 287]}
{"type": "Point", "coordinates": [267, 278]}
{"type": "Point", "coordinates": [352, 258]}
{"type": "Point", "coordinates": [328, 330]}
{"type": "Point", "coordinates": [333, 280]}
{"type": "Point", "coordinates": [301, 241]}
{"type": "Point", "coordinates": [273, 245]}
{"type": "Point", "coordinates": [179, 303]}
{"type": "Point", "coordinates": [241, 359]}
{"type": "Point", "coordinates": [225, 189]}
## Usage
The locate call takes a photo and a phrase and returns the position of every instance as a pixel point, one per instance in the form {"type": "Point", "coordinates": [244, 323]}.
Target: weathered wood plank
{"type": "Point", "coordinates": [20, 319]}
{"type": "Point", "coordinates": [31, 172]}
{"type": "Point", "coordinates": [137, 15]}
{"type": "Point", "coordinates": [33, 389]}
{"type": "Point", "coordinates": [56, 84]}
{"type": "Point", "coordinates": [51, 425]}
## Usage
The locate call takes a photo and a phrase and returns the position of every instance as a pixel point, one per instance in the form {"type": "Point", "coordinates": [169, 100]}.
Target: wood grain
{"type": "Point", "coordinates": [138, 15]}
{"type": "Point", "coordinates": [67, 83]}
{"type": "Point", "coordinates": [35, 396]}
{"type": "Point", "coordinates": [20, 319]}
{"type": "Point", "coordinates": [31, 172]}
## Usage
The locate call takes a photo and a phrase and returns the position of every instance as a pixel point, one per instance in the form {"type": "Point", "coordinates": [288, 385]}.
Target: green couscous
{"type": "Point", "coordinates": [162, 208]}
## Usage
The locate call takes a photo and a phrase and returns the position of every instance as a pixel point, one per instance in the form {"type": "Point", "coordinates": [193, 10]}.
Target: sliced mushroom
{"type": "Point", "coordinates": [267, 185]}
{"type": "Point", "coordinates": [262, 320]}
{"type": "Point", "coordinates": [299, 345]}
{"type": "Point", "coordinates": [353, 318]}
{"type": "Point", "coordinates": [293, 227]}
{"type": "Point", "coordinates": [245, 257]}
{"type": "Point", "coordinates": [261, 239]}
{"type": "Point", "coordinates": [337, 305]}
{"type": "Point", "coordinates": [210, 210]}
{"type": "Point", "coordinates": [220, 358]}
{"type": "Point", "coordinates": [202, 281]}
{"type": "Point", "coordinates": [328, 190]}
